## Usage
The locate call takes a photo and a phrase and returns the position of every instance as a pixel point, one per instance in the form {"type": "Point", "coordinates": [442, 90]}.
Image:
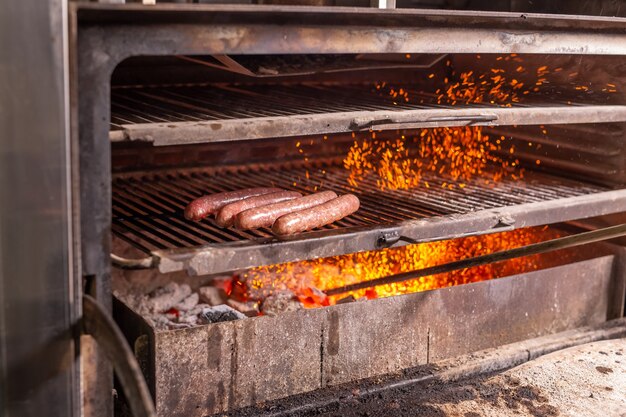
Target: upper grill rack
{"type": "Point", "coordinates": [193, 114]}
{"type": "Point", "coordinates": [148, 213]}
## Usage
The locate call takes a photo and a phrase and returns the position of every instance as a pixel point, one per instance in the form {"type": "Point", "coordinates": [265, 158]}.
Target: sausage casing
{"type": "Point", "coordinates": [317, 216]}
{"type": "Point", "coordinates": [227, 214]}
{"type": "Point", "coordinates": [206, 205]}
{"type": "Point", "coordinates": [266, 216]}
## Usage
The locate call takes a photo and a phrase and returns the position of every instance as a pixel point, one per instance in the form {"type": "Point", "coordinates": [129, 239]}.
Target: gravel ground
{"type": "Point", "coordinates": [587, 380]}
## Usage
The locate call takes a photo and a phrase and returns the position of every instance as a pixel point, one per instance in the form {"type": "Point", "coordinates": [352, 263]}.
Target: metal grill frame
{"type": "Point", "coordinates": [198, 114]}
{"type": "Point", "coordinates": [148, 208]}
{"type": "Point", "coordinates": [104, 35]}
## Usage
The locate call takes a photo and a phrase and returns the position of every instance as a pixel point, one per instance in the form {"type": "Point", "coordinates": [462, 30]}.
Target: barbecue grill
{"type": "Point", "coordinates": [212, 99]}
{"type": "Point", "coordinates": [172, 102]}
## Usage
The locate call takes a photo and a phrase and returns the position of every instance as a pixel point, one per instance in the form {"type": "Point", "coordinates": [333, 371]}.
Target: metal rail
{"type": "Point", "coordinates": [534, 249]}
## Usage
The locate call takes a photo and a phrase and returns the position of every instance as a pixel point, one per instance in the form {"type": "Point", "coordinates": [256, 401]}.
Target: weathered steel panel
{"type": "Point", "coordinates": [230, 365]}
{"type": "Point", "coordinates": [276, 356]}
{"type": "Point", "coordinates": [369, 338]}
{"type": "Point", "coordinates": [193, 370]}
{"type": "Point", "coordinates": [234, 364]}
{"type": "Point", "coordinates": [492, 313]}
{"type": "Point", "coordinates": [40, 371]}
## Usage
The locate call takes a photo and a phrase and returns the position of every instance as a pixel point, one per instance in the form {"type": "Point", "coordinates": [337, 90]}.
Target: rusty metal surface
{"type": "Point", "coordinates": [224, 366]}
{"type": "Point", "coordinates": [201, 39]}
{"type": "Point", "coordinates": [363, 339]}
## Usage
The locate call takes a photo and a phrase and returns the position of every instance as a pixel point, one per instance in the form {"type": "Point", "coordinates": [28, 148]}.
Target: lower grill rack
{"type": "Point", "coordinates": [148, 213]}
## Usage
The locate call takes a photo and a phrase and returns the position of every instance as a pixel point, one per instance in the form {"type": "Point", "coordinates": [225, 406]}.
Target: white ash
{"type": "Point", "coordinates": [212, 295]}
{"type": "Point", "coordinates": [164, 298]}
{"type": "Point", "coordinates": [176, 306]}
{"type": "Point", "coordinates": [188, 303]}
{"type": "Point", "coordinates": [173, 301]}
{"type": "Point", "coordinates": [280, 302]}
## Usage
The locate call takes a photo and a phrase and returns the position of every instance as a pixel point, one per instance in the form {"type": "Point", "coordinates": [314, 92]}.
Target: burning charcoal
{"type": "Point", "coordinates": [164, 298]}
{"type": "Point", "coordinates": [220, 313]}
{"type": "Point", "coordinates": [172, 314]}
{"type": "Point", "coordinates": [213, 296]}
{"type": "Point", "coordinates": [312, 297]}
{"type": "Point", "coordinates": [250, 309]}
{"type": "Point", "coordinates": [280, 302]}
{"type": "Point", "coordinates": [188, 303]}
{"type": "Point", "coordinates": [224, 282]}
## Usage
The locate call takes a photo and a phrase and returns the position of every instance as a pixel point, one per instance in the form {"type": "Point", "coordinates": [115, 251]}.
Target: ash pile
{"type": "Point", "coordinates": [177, 306]}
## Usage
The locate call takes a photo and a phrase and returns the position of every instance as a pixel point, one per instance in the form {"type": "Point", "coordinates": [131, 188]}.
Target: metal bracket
{"type": "Point", "coordinates": [387, 123]}
{"type": "Point", "coordinates": [388, 239]}
{"type": "Point", "coordinates": [505, 221]}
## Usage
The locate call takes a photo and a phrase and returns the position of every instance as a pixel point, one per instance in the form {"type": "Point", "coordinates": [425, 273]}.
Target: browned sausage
{"type": "Point", "coordinates": [226, 216]}
{"type": "Point", "coordinates": [204, 206]}
{"type": "Point", "coordinates": [266, 216]}
{"type": "Point", "coordinates": [317, 216]}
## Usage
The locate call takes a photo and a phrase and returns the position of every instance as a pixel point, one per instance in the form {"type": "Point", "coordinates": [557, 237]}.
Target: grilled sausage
{"type": "Point", "coordinates": [266, 216]}
{"type": "Point", "coordinates": [204, 206]}
{"type": "Point", "coordinates": [317, 216]}
{"type": "Point", "coordinates": [226, 215]}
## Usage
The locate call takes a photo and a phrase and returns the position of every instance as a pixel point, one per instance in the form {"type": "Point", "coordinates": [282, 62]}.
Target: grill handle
{"type": "Point", "coordinates": [409, 124]}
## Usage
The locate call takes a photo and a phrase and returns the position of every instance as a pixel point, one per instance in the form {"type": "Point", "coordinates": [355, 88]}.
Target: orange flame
{"type": "Point", "coordinates": [307, 278]}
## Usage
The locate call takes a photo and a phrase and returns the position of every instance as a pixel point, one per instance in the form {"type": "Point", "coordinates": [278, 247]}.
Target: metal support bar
{"type": "Point", "coordinates": [534, 249]}
{"type": "Point", "coordinates": [236, 129]}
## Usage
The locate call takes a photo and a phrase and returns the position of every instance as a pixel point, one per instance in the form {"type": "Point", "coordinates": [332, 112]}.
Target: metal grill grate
{"type": "Point", "coordinates": [194, 114]}
{"type": "Point", "coordinates": [220, 102]}
{"type": "Point", "coordinates": [148, 207]}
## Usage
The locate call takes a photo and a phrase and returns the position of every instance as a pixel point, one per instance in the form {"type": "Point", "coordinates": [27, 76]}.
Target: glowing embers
{"type": "Point", "coordinates": [458, 154]}
{"type": "Point", "coordinates": [308, 279]}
